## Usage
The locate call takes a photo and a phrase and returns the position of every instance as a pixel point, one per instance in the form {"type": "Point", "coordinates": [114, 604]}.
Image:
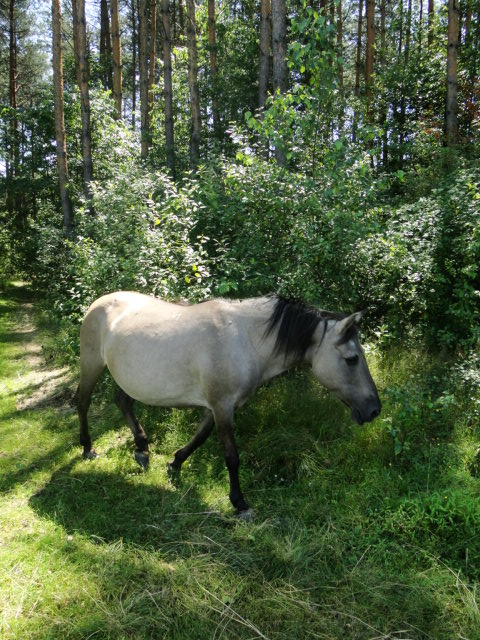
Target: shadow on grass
{"type": "Point", "coordinates": [110, 506]}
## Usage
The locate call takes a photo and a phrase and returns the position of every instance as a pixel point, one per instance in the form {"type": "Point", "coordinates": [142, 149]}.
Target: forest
{"type": "Point", "coordinates": [326, 151]}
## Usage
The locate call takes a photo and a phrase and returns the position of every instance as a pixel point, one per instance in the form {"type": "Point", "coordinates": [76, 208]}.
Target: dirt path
{"type": "Point", "coordinates": [40, 383]}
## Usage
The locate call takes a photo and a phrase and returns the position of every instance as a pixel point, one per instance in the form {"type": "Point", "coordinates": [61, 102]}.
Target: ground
{"type": "Point", "coordinates": [341, 547]}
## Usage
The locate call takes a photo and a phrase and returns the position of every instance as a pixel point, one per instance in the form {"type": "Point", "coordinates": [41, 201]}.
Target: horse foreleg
{"type": "Point", "coordinates": [224, 422]}
{"type": "Point", "coordinates": [201, 434]}
{"type": "Point", "coordinates": [125, 403]}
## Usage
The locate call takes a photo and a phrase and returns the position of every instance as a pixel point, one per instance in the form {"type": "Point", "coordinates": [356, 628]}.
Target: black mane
{"type": "Point", "coordinates": [296, 322]}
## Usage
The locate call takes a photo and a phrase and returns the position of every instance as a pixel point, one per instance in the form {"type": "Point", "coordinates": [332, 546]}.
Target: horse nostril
{"type": "Point", "coordinates": [374, 414]}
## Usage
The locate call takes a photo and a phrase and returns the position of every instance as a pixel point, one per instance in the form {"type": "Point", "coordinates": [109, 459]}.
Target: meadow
{"type": "Point", "coordinates": [359, 532]}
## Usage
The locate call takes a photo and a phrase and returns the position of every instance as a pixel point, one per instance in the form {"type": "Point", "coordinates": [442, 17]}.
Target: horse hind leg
{"type": "Point", "coordinates": [224, 423]}
{"type": "Point", "coordinates": [125, 403]}
{"type": "Point", "coordinates": [201, 434]}
{"type": "Point", "coordinates": [83, 398]}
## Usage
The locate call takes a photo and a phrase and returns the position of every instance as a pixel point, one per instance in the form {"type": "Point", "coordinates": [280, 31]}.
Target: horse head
{"type": "Point", "coordinates": [339, 363]}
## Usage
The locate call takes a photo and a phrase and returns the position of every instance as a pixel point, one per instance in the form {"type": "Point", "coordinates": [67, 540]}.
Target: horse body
{"type": "Point", "coordinates": [165, 354]}
{"type": "Point", "coordinates": [214, 355]}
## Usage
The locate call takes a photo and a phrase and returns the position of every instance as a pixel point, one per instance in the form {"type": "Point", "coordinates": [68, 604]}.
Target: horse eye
{"type": "Point", "coordinates": [352, 360]}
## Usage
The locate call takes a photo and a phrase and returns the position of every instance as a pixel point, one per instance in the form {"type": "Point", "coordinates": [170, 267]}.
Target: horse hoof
{"type": "Point", "coordinates": [89, 455]}
{"type": "Point", "coordinates": [172, 470]}
{"type": "Point", "coordinates": [245, 516]}
{"type": "Point", "coordinates": [142, 458]}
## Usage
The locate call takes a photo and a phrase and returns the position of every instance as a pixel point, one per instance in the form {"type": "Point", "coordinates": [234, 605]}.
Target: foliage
{"type": "Point", "coordinates": [103, 548]}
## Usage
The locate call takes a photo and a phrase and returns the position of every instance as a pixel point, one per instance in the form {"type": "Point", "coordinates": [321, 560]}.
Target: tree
{"type": "Point", "coordinates": [358, 67]}
{"type": "Point", "coordinates": [451, 117]}
{"type": "Point", "coordinates": [134, 59]}
{"type": "Point", "coordinates": [153, 42]}
{"type": "Point", "coordinates": [117, 57]}
{"type": "Point", "coordinates": [279, 51]}
{"type": "Point", "coordinates": [196, 122]}
{"type": "Point", "coordinates": [340, 63]}
{"type": "Point", "coordinates": [431, 18]}
{"type": "Point", "coordinates": [82, 67]}
{"type": "Point", "coordinates": [167, 86]}
{"type": "Point", "coordinates": [369, 49]}
{"type": "Point", "coordinates": [264, 53]}
{"type": "Point", "coordinates": [59, 117]}
{"type": "Point", "coordinates": [105, 45]}
{"type": "Point", "coordinates": [212, 48]}
{"type": "Point", "coordinates": [144, 76]}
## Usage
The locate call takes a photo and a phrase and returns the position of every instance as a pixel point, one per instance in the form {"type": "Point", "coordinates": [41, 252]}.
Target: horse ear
{"type": "Point", "coordinates": [344, 325]}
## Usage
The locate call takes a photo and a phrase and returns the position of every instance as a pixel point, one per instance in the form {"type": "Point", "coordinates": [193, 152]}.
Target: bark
{"type": "Point", "coordinates": [264, 59]}
{"type": "Point", "coordinates": [369, 57]}
{"type": "Point", "coordinates": [358, 64]}
{"type": "Point", "coordinates": [212, 46]}
{"type": "Point", "coordinates": [193, 86]}
{"type": "Point", "coordinates": [383, 111]}
{"type": "Point", "coordinates": [431, 17]}
{"type": "Point", "coordinates": [153, 42]}
{"type": "Point", "coordinates": [181, 18]}
{"type": "Point", "coordinates": [358, 67]}
{"type": "Point", "coordinates": [340, 64]}
{"type": "Point", "coordinates": [13, 88]}
{"type": "Point", "coordinates": [143, 69]}
{"type": "Point", "coordinates": [468, 23]}
{"type": "Point", "coordinates": [168, 87]}
{"type": "Point", "coordinates": [420, 27]}
{"type": "Point", "coordinates": [451, 123]}
{"type": "Point", "coordinates": [134, 60]}
{"type": "Point", "coordinates": [80, 27]}
{"type": "Point", "coordinates": [105, 45]}
{"type": "Point", "coordinates": [405, 71]}
{"type": "Point", "coordinates": [279, 50]}
{"type": "Point", "coordinates": [117, 57]}
{"type": "Point", "coordinates": [59, 115]}
{"type": "Point", "coordinates": [279, 45]}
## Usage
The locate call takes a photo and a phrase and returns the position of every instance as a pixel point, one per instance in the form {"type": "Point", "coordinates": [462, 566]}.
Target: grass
{"type": "Point", "coordinates": [349, 539]}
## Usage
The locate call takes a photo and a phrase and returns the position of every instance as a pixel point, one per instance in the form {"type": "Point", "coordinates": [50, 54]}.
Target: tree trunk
{"type": "Point", "coordinates": [117, 57]}
{"type": "Point", "coordinates": [383, 111]}
{"type": "Point", "coordinates": [193, 86]}
{"type": "Point", "coordinates": [168, 87]}
{"type": "Point", "coordinates": [134, 61]}
{"type": "Point", "coordinates": [279, 45]}
{"type": "Point", "coordinates": [143, 68]}
{"type": "Point", "coordinates": [403, 99]}
{"type": "Point", "coordinates": [358, 68]}
{"type": "Point", "coordinates": [264, 59]}
{"type": "Point", "coordinates": [212, 46]}
{"type": "Point", "coordinates": [279, 50]}
{"type": "Point", "coordinates": [431, 16]}
{"type": "Point", "coordinates": [358, 64]}
{"type": "Point", "coordinates": [80, 28]}
{"type": "Point", "coordinates": [451, 124]}
{"type": "Point", "coordinates": [369, 58]}
{"type": "Point", "coordinates": [105, 45]}
{"type": "Point", "coordinates": [181, 19]}
{"type": "Point", "coordinates": [59, 117]}
{"type": "Point", "coordinates": [13, 89]}
{"type": "Point", "coordinates": [153, 42]}
{"type": "Point", "coordinates": [340, 64]}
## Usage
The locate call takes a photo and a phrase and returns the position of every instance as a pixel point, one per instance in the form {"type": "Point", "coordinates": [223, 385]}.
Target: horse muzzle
{"type": "Point", "coordinates": [369, 412]}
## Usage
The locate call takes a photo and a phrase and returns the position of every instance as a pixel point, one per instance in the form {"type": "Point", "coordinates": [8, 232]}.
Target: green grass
{"type": "Point", "coordinates": [349, 539]}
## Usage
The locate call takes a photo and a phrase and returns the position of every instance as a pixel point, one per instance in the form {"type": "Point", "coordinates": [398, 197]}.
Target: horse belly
{"type": "Point", "coordinates": [158, 374]}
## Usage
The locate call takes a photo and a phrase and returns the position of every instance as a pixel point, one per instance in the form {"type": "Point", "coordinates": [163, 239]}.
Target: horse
{"type": "Point", "coordinates": [214, 355]}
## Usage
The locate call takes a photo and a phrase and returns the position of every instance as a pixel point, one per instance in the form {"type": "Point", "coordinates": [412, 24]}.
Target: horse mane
{"type": "Point", "coordinates": [296, 322]}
